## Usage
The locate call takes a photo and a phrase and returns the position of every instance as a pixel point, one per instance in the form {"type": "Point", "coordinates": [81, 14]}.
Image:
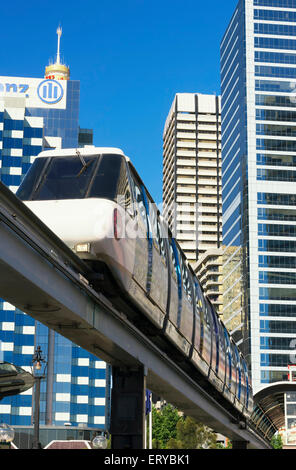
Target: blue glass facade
{"type": "Point", "coordinates": [234, 174]}
{"type": "Point", "coordinates": [74, 390]}
{"type": "Point", "coordinates": [258, 80]}
{"type": "Point", "coordinates": [63, 123]}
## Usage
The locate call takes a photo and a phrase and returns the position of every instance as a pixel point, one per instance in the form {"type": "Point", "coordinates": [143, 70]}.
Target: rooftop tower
{"type": "Point", "coordinates": [57, 71]}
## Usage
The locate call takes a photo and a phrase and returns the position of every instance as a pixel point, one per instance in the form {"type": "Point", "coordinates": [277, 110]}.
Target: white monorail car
{"type": "Point", "coordinates": [93, 199]}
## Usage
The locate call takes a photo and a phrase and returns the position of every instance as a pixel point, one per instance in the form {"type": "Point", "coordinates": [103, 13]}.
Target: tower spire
{"type": "Point", "coordinates": [59, 33]}
{"type": "Point", "coordinates": [58, 71]}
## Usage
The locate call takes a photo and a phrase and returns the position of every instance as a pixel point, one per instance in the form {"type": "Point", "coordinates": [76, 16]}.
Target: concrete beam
{"type": "Point", "coordinates": [52, 293]}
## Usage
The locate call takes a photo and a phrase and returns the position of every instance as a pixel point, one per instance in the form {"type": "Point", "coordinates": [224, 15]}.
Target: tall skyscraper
{"type": "Point", "coordinates": [36, 114]}
{"type": "Point", "coordinates": [192, 172]}
{"type": "Point", "coordinates": [209, 272]}
{"type": "Point", "coordinates": [258, 83]}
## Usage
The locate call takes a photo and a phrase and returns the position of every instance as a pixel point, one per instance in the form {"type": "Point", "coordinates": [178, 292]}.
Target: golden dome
{"type": "Point", "coordinates": [57, 71]}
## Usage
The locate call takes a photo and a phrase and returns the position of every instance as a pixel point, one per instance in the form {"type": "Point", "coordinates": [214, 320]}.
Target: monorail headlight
{"type": "Point", "coordinates": [117, 224]}
{"type": "Point", "coordinates": [82, 248]}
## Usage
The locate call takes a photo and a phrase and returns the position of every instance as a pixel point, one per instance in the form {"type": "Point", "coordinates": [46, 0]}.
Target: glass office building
{"type": "Point", "coordinates": [258, 85]}
{"type": "Point", "coordinates": [36, 114]}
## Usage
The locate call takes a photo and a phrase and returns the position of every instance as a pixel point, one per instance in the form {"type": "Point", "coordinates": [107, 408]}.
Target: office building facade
{"type": "Point", "coordinates": [209, 271]}
{"type": "Point", "coordinates": [192, 172]}
{"type": "Point", "coordinates": [38, 114]}
{"type": "Point", "coordinates": [258, 82]}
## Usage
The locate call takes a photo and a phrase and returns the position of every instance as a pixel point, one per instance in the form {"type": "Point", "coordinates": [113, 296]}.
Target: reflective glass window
{"type": "Point", "coordinates": [12, 143]}
{"type": "Point", "coordinates": [266, 277]}
{"type": "Point", "coordinates": [270, 71]}
{"type": "Point", "coordinates": [279, 326]}
{"type": "Point", "coordinates": [174, 262]}
{"type": "Point", "coordinates": [268, 261]}
{"type": "Point", "coordinates": [283, 230]}
{"type": "Point", "coordinates": [286, 246]}
{"type": "Point", "coordinates": [275, 57]}
{"type": "Point", "coordinates": [276, 160]}
{"type": "Point", "coordinates": [276, 144]}
{"type": "Point", "coordinates": [65, 178]}
{"type": "Point", "coordinates": [13, 124]}
{"type": "Point", "coordinates": [291, 397]}
{"type": "Point", "coordinates": [264, 174]}
{"type": "Point", "coordinates": [276, 129]}
{"type": "Point", "coordinates": [277, 310]}
{"type": "Point", "coordinates": [275, 15]}
{"type": "Point", "coordinates": [276, 29]}
{"type": "Point", "coordinates": [110, 180]}
{"type": "Point", "coordinates": [268, 376]}
{"type": "Point", "coordinates": [275, 360]}
{"type": "Point", "coordinates": [30, 182]}
{"type": "Point", "coordinates": [276, 199]}
{"type": "Point", "coordinates": [277, 293]}
{"type": "Point", "coordinates": [275, 85]}
{"type": "Point", "coordinates": [275, 115]}
{"type": "Point", "coordinates": [276, 3]}
{"type": "Point", "coordinates": [274, 100]}
{"type": "Point", "coordinates": [35, 132]}
{"type": "Point", "coordinates": [76, 178]}
{"type": "Point", "coordinates": [277, 343]}
{"type": "Point", "coordinates": [274, 43]}
{"type": "Point", "coordinates": [265, 213]}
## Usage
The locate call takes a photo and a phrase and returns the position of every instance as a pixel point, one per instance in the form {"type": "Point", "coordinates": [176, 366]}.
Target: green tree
{"type": "Point", "coordinates": [194, 435]}
{"type": "Point", "coordinates": [164, 425]}
{"type": "Point", "coordinates": [186, 433]}
{"type": "Point", "coordinates": [276, 441]}
{"type": "Point", "coordinates": [173, 443]}
{"type": "Point", "coordinates": [172, 431]}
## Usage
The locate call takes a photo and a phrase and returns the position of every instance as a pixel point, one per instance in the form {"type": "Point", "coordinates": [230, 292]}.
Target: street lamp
{"type": "Point", "coordinates": [6, 436]}
{"type": "Point", "coordinates": [39, 366]}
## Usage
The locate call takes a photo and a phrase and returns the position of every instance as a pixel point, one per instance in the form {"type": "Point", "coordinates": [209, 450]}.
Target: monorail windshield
{"type": "Point", "coordinates": [8, 369]}
{"type": "Point", "coordinates": [100, 176]}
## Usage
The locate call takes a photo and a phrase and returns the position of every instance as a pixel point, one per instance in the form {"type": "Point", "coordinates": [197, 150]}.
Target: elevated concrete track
{"type": "Point", "coordinates": [41, 276]}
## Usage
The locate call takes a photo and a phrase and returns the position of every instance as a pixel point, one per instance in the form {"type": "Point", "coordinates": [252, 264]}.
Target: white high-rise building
{"type": "Point", "coordinates": [192, 172]}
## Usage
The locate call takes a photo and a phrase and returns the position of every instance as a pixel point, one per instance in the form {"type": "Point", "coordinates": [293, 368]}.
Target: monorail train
{"type": "Point", "coordinates": [14, 380]}
{"type": "Point", "coordinates": [93, 199]}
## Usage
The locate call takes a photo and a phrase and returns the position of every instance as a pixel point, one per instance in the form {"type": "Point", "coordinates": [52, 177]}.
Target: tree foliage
{"type": "Point", "coordinates": [276, 441]}
{"type": "Point", "coordinates": [164, 424]}
{"type": "Point", "coordinates": [172, 431]}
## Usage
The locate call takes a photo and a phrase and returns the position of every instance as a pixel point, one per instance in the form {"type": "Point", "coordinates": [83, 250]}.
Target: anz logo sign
{"type": "Point", "coordinates": [14, 88]}
{"type": "Point", "coordinates": [50, 91]}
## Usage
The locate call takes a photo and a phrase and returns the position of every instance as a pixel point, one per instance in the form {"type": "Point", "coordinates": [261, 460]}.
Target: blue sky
{"type": "Point", "coordinates": [131, 57]}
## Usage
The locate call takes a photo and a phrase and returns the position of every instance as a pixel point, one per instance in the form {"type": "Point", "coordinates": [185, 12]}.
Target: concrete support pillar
{"type": "Point", "coordinates": [239, 445]}
{"type": "Point", "coordinates": [128, 408]}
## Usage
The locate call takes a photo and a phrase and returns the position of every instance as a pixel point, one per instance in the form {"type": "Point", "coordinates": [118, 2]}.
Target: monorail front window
{"type": "Point", "coordinates": [77, 178]}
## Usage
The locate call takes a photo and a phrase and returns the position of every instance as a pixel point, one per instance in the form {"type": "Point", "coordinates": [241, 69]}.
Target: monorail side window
{"type": "Point", "coordinates": [222, 339]}
{"type": "Point", "coordinates": [152, 214]}
{"type": "Point", "coordinates": [199, 298]}
{"type": "Point", "coordinates": [32, 179]}
{"type": "Point", "coordinates": [186, 281]}
{"type": "Point", "coordinates": [208, 317]}
{"type": "Point", "coordinates": [111, 181]}
{"type": "Point", "coordinates": [161, 241]}
{"type": "Point", "coordinates": [174, 262]}
{"type": "Point", "coordinates": [139, 198]}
